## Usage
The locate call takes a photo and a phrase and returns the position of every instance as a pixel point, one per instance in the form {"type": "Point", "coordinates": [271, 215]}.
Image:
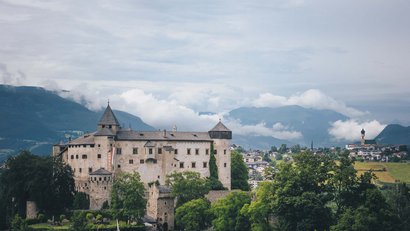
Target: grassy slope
{"type": "Point", "coordinates": [395, 171]}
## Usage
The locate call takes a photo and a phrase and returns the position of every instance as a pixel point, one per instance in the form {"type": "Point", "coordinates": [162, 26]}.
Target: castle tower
{"type": "Point", "coordinates": [160, 206]}
{"type": "Point", "coordinates": [221, 136]}
{"type": "Point", "coordinates": [108, 121]}
{"type": "Point", "coordinates": [100, 188]}
{"type": "Point", "coordinates": [363, 134]}
{"type": "Point", "coordinates": [107, 129]}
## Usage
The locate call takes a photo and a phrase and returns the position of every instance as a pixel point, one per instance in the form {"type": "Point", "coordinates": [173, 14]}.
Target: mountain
{"type": "Point", "coordinates": [34, 118]}
{"type": "Point", "coordinates": [313, 124]}
{"type": "Point", "coordinates": [258, 142]}
{"type": "Point", "coordinates": [394, 134]}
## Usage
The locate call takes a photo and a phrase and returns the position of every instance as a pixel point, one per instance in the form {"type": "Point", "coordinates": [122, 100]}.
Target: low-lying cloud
{"type": "Point", "coordinates": [278, 130]}
{"type": "Point", "coordinates": [349, 130]}
{"type": "Point", "coordinates": [311, 98]}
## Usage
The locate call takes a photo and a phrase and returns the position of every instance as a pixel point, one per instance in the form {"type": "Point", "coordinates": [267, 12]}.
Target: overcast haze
{"type": "Point", "coordinates": [166, 61]}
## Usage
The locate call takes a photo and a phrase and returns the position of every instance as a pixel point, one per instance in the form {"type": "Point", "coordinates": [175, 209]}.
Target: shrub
{"type": "Point", "coordinates": [105, 205]}
{"type": "Point", "coordinates": [89, 216]}
{"type": "Point", "coordinates": [41, 217]}
{"type": "Point", "coordinates": [19, 224]}
{"type": "Point", "coordinates": [99, 218]}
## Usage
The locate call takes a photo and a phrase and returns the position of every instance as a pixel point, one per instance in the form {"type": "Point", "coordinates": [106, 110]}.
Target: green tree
{"type": "Point", "coordinates": [187, 186]}
{"type": "Point", "coordinates": [399, 200]}
{"type": "Point", "coordinates": [19, 224]}
{"type": "Point", "coordinates": [81, 201]}
{"type": "Point", "coordinates": [300, 192]}
{"type": "Point", "coordinates": [269, 173]}
{"type": "Point", "coordinates": [127, 196]}
{"type": "Point", "coordinates": [283, 149]}
{"type": "Point", "coordinates": [266, 157]}
{"type": "Point", "coordinates": [278, 156]}
{"type": "Point", "coordinates": [79, 221]}
{"type": "Point", "coordinates": [227, 211]}
{"type": "Point", "coordinates": [239, 172]}
{"type": "Point", "coordinates": [213, 179]}
{"type": "Point", "coordinates": [345, 183]}
{"type": "Point", "coordinates": [193, 215]}
{"type": "Point", "coordinates": [213, 169]}
{"type": "Point", "coordinates": [45, 180]}
{"type": "Point", "coordinates": [295, 148]}
{"type": "Point", "coordinates": [374, 215]}
{"type": "Point", "coordinates": [273, 149]}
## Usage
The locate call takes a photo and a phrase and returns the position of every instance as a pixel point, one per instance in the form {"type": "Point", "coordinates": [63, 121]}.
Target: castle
{"type": "Point", "coordinates": [97, 157]}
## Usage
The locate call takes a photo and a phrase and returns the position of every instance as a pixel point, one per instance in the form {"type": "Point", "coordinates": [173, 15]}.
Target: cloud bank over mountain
{"type": "Point", "coordinates": [189, 56]}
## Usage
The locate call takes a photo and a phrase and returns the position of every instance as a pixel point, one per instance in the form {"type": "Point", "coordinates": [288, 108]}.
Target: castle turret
{"type": "Point", "coordinates": [100, 183]}
{"type": "Point", "coordinates": [221, 137]}
{"type": "Point", "coordinates": [160, 206]}
{"type": "Point", "coordinates": [108, 124]}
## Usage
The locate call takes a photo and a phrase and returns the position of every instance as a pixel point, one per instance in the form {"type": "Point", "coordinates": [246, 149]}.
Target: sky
{"type": "Point", "coordinates": [166, 61]}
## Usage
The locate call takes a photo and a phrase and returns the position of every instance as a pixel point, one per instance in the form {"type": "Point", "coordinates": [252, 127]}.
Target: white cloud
{"type": "Point", "coordinates": [349, 130]}
{"type": "Point", "coordinates": [9, 78]}
{"type": "Point", "coordinates": [162, 113]}
{"type": "Point", "coordinates": [311, 98]}
{"type": "Point", "coordinates": [278, 130]}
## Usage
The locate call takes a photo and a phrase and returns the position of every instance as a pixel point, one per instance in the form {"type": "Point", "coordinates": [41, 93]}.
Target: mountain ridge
{"type": "Point", "coordinates": [34, 118]}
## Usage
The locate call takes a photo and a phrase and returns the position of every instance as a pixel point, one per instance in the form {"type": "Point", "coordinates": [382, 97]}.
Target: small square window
{"type": "Point", "coordinates": [119, 166]}
{"type": "Point", "coordinates": [99, 156]}
{"type": "Point", "coordinates": [119, 151]}
{"type": "Point", "coordinates": [175, 151]}
{"type": "Point", "coordinates": [80, 170]}
{"type": "Point", "coordinates": [72, 156]}
{"type": "Point", "coordinates": [215, 152]}
{"type": "Point", "coordinates": [225, 165]}
{"type": "Point", "coordinates": [99, 145]}
{"type": "Point", "coordinates": [131, 161]}
{"type": "Point", "coordinates": [141, 161]}
{"type": "Point", "coordinates": [207, 151]}
{"type": "Point", "coordinates": [205, 164]}
{"type": "Point", "coordinates": [193, 165]}
{"type": "Point", "coordinates": [90, 170]}
{"type": "Point", "coordinates": [181, 164]}
{"type": "Point", "coordinates": [159, 150]}
{"type": "Point", "coordinates": [76, 156]}
{"type": "Point", "coordinates": [197, 151]}
{"type": "Point", "coordinates": [188, 151]}
{"type": "Point", "coordinates": [135, 151]}
{"type": "Point", "coordinates": [150, 151]}
{"type": "Point", "coordinates": [84, 156]}
{"type": "Point", "coordinates": [224, 151]}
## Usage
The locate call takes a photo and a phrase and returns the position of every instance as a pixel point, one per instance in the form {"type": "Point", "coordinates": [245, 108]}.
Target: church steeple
{"type": "Point", "coordinates": [108, 120]}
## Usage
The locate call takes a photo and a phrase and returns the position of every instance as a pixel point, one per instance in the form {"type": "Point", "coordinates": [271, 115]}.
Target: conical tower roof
{"type": "Point", "coordinates": [220, 127]}
{"type": "Point", "coordinates": [108, 118]}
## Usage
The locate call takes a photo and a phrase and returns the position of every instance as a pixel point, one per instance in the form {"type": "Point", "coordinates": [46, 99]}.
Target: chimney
{"type": "Point", "coordinates": [165, 133]}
